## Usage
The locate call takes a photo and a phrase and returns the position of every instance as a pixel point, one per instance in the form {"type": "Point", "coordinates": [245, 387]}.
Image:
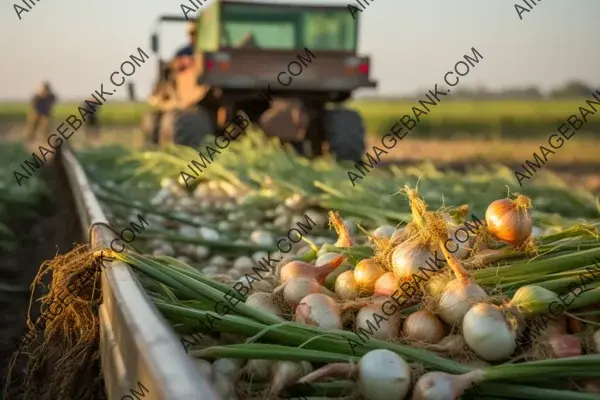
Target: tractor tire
{"type": "Point", "coordinates": [345, 132]}
{"type": "Point", "coordinates": [191, 127]}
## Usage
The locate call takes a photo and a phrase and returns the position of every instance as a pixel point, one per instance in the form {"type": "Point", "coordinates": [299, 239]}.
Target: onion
{"type": "Point", "coordinates": [532, 300]}
{"type": "Point", "coordinates": [487, 332]}
{"type": "Point", "coordinates": [243, 264]}
{"type": "Point", "coordinates": [384, 232]}
{"type": "Point", "coordinates": [223, 385]}
{"type": "Point", "coordinates": [457, 298]}
{"type": "Point", "coordinates": [296, 289]}
{"type": "Point", "coordinates": [204, 367]}
{"type": "Point", "coordinates": [259, 370]}
{"type": "Point", "coordinates": [202, 252]}
{"type": "Point", "coordinates": [387, 284]}
{"type": "Point", "coordinates": [409, 257]}
{"type": "Point", "coordinates": [319, 310]}
{"type": "Point", "coordinates": [437, 284]}
{"type": "Point", "coordinates": [443, 386]}
{"type": "Point", "coordinates": [258, 285]}
{"type": "Point", "coordinates": [366, 274]}
{"type": "Point", "coordinates": [286, 373]}
{"type": "Point", "coordinates": [209, 234]}
{"type": "Point", "coordinates": [264, 302]}
{"type": "Point", "coordinates": [565, 345]}
{"type": "Point", "coordinates": [383, 375]}
{"type": "Point", "coordinates": [423, 326]}
{"type": "Point", "coordinates": [345, 286]}
{"type": "Point", "coordinates": [384, 329]}
{"type": "Point", "coordinates": [295, 269]}
{"type": "Point", "coordinates": [457, 248]}
{"type": "Point", "coordinates": [262, 238]}
{"type": "Point", "coordinates": [399, 235]}
{"type": "Point", "coordinates": [229, 367]}
{"type": "Point", "coordinates": [324, 258]}
{"type": "Point", "coordinates": [596, 339]}
{"type": "Point", "coordinates": [509, 220]}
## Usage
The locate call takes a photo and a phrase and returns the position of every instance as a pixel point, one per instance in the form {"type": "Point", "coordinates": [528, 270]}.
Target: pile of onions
{"type": "Point", "coordinates": [509, 220]}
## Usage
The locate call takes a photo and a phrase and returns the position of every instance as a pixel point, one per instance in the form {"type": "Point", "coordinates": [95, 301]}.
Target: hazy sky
{"type": "Point", "coordinates": [76, 44]}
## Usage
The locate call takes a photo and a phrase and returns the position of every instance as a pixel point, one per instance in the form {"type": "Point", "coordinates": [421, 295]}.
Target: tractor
{"type": "Point", "coordinates": [287, 67]}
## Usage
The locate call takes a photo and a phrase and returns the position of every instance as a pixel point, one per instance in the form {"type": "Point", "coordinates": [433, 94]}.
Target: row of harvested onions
{"type": "Point", "coordinates": [351, 316]}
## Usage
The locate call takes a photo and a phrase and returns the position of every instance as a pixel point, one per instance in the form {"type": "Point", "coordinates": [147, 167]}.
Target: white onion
{"type": "Point", "coordinates": [297, 289]}
{"type": "Point", "coordinates": [423, 326]}
{"type": "Point", "coordinates": [366, 274]}
{"type": "Point", "coordinates": [487, 332]}
{"type": "Point", "coordinates": [229, 367]}
{"type": "Point", "coordinates": [319, 310]}
{"type": "Point", "coordinates": [345, 286]}
{"type": "Point", "coordinates": [383, 375]}
{"type": "Point", "coordinates": [188, 231]}
{"type": "Point", "coordinates": [286, 373]}
{"type": "Point", "coordinates": [264, 302]}
{"type": "Point", "coordinates": [454, 245]}
{"type": "Point", "coordinates": [262, 238]}
{"type": "Point", "coordinates": [219, 261]}
{"type": "Point", "coordinates": [457, 298]}
{"type": "Point", "coordinates": [399, 235]}
{"type": "Point", "coordinates": [384, 232]}
{"type": "Point", "coordinates": [256, 257]}
{"type": "Point", "coordinates": [211, 269]}
{"type": "Point", "coordinates": [259, 370]}
{"type": "Point", "coordinates": [243, 264]}
{"type": "Point", "coordinates": [384, 329]}
{"type": "Point", "coordinates": [204, 367]}
{"type": "Point", "coordinates": [202, 252]}
{"type": "Point", "coordinates": [443, 386]}
{"type": "Point", "coordinates": [224, 226]}
{"type": "Point", "coordinates": [262, 285]}
{"type": "Point", "coordinates": [409, 257]}
{"type": "Point", "coordinates": [387, 284]}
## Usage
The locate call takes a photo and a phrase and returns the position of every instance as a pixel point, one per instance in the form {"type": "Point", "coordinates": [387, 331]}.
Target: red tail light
{"type": "Point", "coordinates": [209, 64]}
{"type": "Point", "coordinates": [364, 68]}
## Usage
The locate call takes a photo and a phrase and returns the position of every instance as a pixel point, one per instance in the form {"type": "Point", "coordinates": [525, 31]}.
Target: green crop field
{"type": "Point", "coordinates": [491, 119]}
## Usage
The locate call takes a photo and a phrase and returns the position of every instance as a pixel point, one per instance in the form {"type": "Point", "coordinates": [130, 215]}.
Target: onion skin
{"type": "Point", "coordinates": [457, 299]}
{"type": "Point", "coordinates": [366, 274]}
{"type": "Point", "coordinates": [564, 346]}
{"type": "Point", "coordinates": [296, 269]}
{"type": "Point", "coordinates": [509, 220]}
{"type": "Point", "coordinates": [408, 257]}
{"type": "Point", "coordinates": [487, 332]}
{"type": "Point", "coordinates": [423, 326]}
{"type": "Point", "coordinates": [345, 286]}
{"type": "Point", "coordinates": [384, 329]}
{"type": "Point", "coordinates": [383, 375]}
{"type": "Point", "coordinates": [387, 284]}
{"type": "Point", "coordinates": [443, 386]}
{"type": "Point", "coordinates": [319, 310]}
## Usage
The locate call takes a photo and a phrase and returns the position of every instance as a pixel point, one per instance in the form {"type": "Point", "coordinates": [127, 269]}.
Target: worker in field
{"type": "Point", "coordinates": [40, 111]}
{"type": "Point", "coordinates": [91, 122]}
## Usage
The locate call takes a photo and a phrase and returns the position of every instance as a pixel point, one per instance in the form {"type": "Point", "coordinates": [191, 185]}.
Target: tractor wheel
{"type": "Point", "coordinates": [345, 132]}
{"type": "Point", "coordinates": [192, 125]}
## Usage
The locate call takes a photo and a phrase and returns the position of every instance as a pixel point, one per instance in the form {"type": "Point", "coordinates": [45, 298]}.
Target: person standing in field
{"type": "Point", "coordinates": [40, 111]}
{"type": "Point", "coordinates": [91, 121]}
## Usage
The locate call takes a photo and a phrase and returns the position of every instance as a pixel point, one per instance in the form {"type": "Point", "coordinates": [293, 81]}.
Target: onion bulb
{"type": "Point", "coordinates": [371, 318]}
{"type": "Point", "coordinates": [325, 258]}
{"type": "Point", "coordinates": [532, 300]}
{"type": "Point", "coordinates": [345, 286]}
{"type": "Point", "coordinates": [296, 289]}
{"type": "Point", "coordinates": [264, 302]}
{"type": "Point", "coordinates": [366, 274]}
{"type": "Point", "coordinates": [286, 373]}
{"type": "Point", "coordinates": [295, 269]}
{"type": "Point", "coordinates": [383, 375]}
{"type": "Point", "coordinates": [487, 332]}
{"type": "Point", "coordinates": [564, 346]}
{"type": "Point", "coordinates": [509, 220]}
{"type": "Point", "coordinates": [457, 298]}
{"type": "Point", "coordinates": [203, 367]}
{"type": "Point", "coordinates": [423, 326]}
{"type": "Point", "coordinates": [259, 370]}
{"type": "Point", "coordinates": [319, 310]}
{"type": "Point", "coordinates": [384, 232]}
{"type": "Point", "coordinates": [437, 284]}
{"type": "Point", "coordinates": [409, 257]}
{"type": "Point", "coordinates": [387, 284]}
{"type": "Point", "coordinates": [443, 386]}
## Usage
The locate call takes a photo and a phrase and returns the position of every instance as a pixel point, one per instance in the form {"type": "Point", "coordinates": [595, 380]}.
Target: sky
{"type": "Point", "coordinates": [77, 44]}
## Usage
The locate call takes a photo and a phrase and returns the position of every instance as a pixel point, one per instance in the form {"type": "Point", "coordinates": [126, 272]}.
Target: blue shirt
{"type": "Point", "coordinates": [185, 51]}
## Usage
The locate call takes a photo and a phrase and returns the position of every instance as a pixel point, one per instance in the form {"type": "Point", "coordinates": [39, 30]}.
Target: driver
{"type": "Point", "coordinates": [184, 56]}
